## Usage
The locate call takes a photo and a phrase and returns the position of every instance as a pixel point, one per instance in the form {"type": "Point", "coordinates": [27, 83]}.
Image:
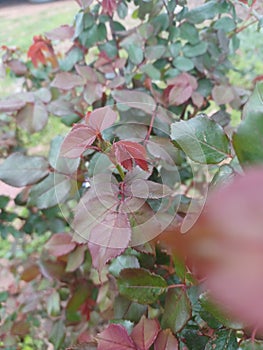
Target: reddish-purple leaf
{"type": "Point", "coordinates": [92, 92]}
{"type": "Point", "coordinates": [197, 99]}
{"type": "Point", "coordinates": [11, 105]}
{"type": "Point", "coordinates": [77, 141]}
{"type": "Point", "coordinates": [67, 81]}
{"type": "Point", "coordinates": [109, 238]}
{"type": "Point", "coordinates": [101, 119]}
{"type": "Point", "coordinates": [166, 341]}
{"type": "Point", "coordinates": [101, 255]}
{"type": "Point", "coordinates": [115, 337]}
{"type": "Point", "coordinates": [141, 188]}
{"type": "Point", "coordinates": [32, 117]}
{"type": "Point", "coordinates": [109, 6]}
{"type": "Point", "coordinates": [60, 244]}
{"type": "Point", "coordinates": [179, 94]}
{"type": "Point", "coordinates": [100, 200]}
{"type": "Point", "coordinates": [223, 94]}
{"type": "Point", "coordinates": [127, 151]}
{"type": "Point", "coordinates": [180, 89]}
{"type": "Point", "coordinates": [61, 33]}
{"type": "Point", "coordinates": [113, 232]}
{"type": "Point", "coordinates": [135, 99]}
{"type": "Point", "coordinates": [87, 73]}
{"type": "Point", "coordinates": [145, 333]}
{"type": "Point", "coordinates": [18, 67]}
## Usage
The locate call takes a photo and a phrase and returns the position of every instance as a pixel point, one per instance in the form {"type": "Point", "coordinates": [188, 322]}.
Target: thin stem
{"type": "Point", "coordinates": [119, 168]}
{"type": "Point", "coordinates": [180, 285]}
{"type": "Point", "coordinates": [151, 124]}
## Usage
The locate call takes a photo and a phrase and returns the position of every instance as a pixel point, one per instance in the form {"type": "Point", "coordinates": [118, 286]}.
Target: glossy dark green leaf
{"type": "Point", "coordinates": [194, 340]}
{"type": "Point", "coordinates": [189, 32]}
{"type": "Point", "coordinates": [4, 200]}
{"type": "Point", "coordinates": [195, 50]}
{"type": "Point", "coordinates": [53, 190]}
{"type": "Point", "coordinates": [20, 170]}
{"type": "Point", "coordinates": [215, 311]}
{"type": "Point", "coordinates": [141, 286]}
{"type": "Point", "coordinates": [201, 139]}
{"type": "Point", "coordinates": [123, 262]}
{"type": "Point", "coordinates": [177, 310]}
{"type": "Point", "coordinates": [225, 340]}
{"type": "Point", "coordinates": [175, 49]}
{"type": "Point", "coordinates": [61, 164]}
{"type": "Point", "coordinates": [247, 141]}
{"type": "Point", "coordinates": [155, 52]}
{"type": "Point", "coordinates": [72, 57]}
{"type": "Point", "coordinates": [251, 345]}
{"type": "Point", "coordinates": [226, 24]}
{"type": "Point", "coordinates": [223, 175]}
{"type": "Point", "coordinates": [135, 54]}
{"type": "Point", "coordinates": [184, 64]}
{"type": "Point", "coordinates": [127, 309]}
{"type": "Point", "coordinates": [151, 71]}
{"type": "Point", "coordinates": [206, 11]}
{"type": "Point", "coordinates": [122, 9]}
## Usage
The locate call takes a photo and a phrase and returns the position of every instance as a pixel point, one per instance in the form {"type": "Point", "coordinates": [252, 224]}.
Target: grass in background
{"type": "Point", "coordinates": [20, 31]}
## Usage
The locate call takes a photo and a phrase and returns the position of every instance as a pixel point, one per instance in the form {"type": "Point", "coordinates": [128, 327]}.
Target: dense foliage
{"type": "Point", "coordinates": [144, 91]}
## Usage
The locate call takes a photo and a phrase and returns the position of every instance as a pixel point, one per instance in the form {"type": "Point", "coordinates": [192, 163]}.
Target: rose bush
{"type": "Point", "coordinates": [144, 91]}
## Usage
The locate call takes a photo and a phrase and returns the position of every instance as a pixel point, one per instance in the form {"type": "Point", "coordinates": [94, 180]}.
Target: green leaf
{"type": "Point", "coordinates": [195, 50]}
{"type": "Point", "coordinates": [3, 296]}
{"type": "Point", "coordinates": [207, 11]}
{"type": "Point", "coordinates": [151, 71]}
{"type": "Point", "coordinates": [251, 345]}
{"type": "Point", "coordinates": [122, 9]}
{"type": "Point", "coordinates": [175, 49]}
{"type": "Point", "coordinates": [177, 310]}
{"type": "Point", "coordinates": [225, 340]}
{"type": "Point", "coordinates": [19, 170]}
{"type": "Point", "coordinates": [57, 335]}
{"type": "Point", "coordinates": [128, 310]}
{"type": "Point", "coordinates": [79, 24]}
{"type": "Point", "coordinates": [72, 57]}
{"type": "Point", "coordinates": [194, 340]}
{"type": "Point", "coordinates": [141, 286]}
{"type": "Point", "coordinates": [52, 191]}
{"type": "Point", "coordinates": [201, 139]}
{"type": "Point", "coordinates": [4, 200]}
{"type": "Point", "coordinates": [183, 64]}
{"type": "Point", "coordinates": [223, 175]}
{"type": "Point", "coordinates": [227, 24]}
{"type": "Point", "coordinates": [53, 304]}
{"type": "Point", "coordinates": [123, 262]}
{"type": "Point", "coordinates": [189, 32]}
{"type": "Point", "coordinates": [204, 87]}
{"type": "Point", "coordinates": [110, 48]}
{"type": "Point", "coordinates": [155, 52]}
{"type": "Point", "coordinates": [216, 312]}
{"type": "Point", "coordinates": [247, 141]}
{"type": "Point", "coordinates": [135, 54]}
{"type": "Point", "coordinates": [61, 164]}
